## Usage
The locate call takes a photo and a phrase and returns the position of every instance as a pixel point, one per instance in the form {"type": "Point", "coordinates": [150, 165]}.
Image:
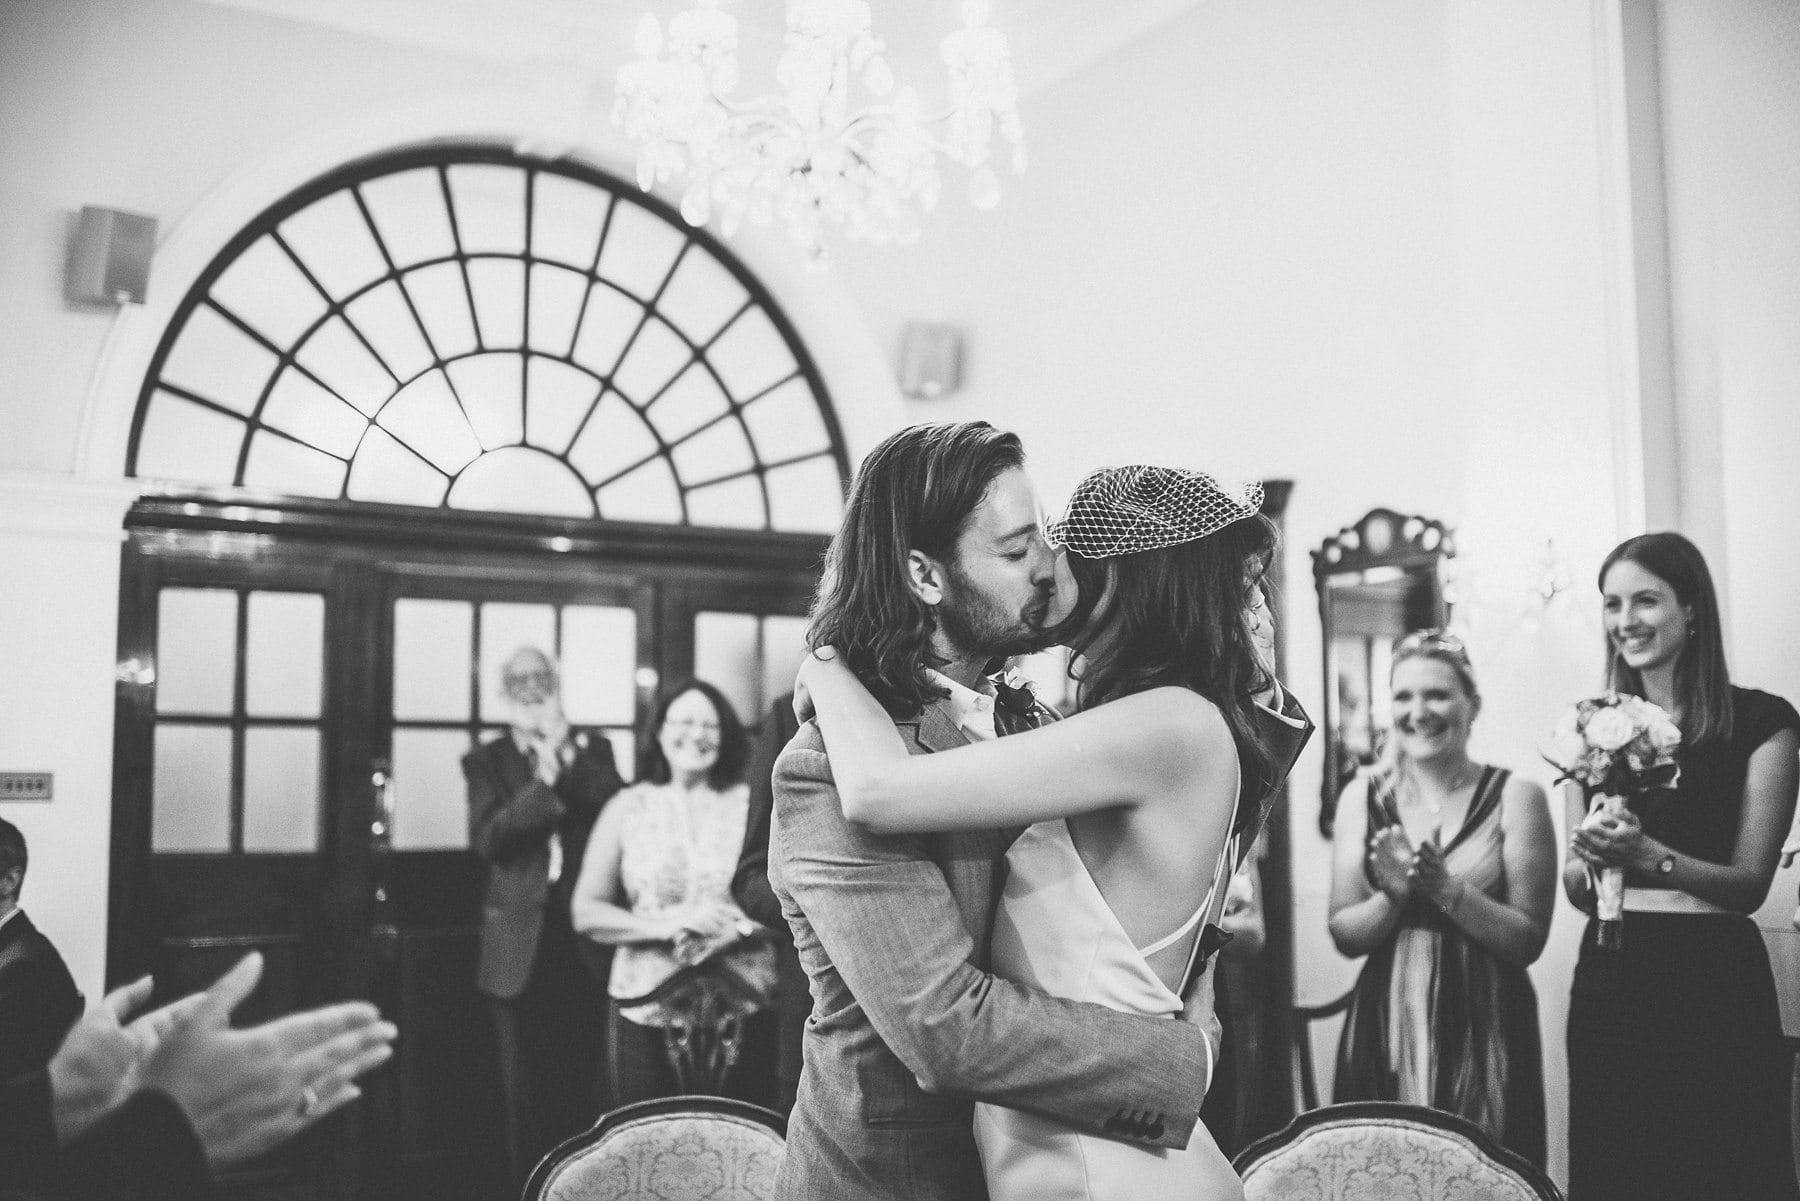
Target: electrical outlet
{"type": "Point", "coordinates": [26, 785]}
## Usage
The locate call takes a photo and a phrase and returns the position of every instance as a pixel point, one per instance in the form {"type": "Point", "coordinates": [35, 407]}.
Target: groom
{"type": "Point", "coordinates": [939, 569]}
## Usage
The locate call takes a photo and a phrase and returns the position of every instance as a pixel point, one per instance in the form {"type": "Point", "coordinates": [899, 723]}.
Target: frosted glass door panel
{"type": "Point", "coordinates": [284, 654]}
{"type": "Point", "coordinates": [432, 644]}
{"type": "Point", "coordinates": [504, 629]}
{"type": "Point", "coordinates": [196, 650]}
{"type": "Point", "coordinates": [281, 790]}
{"type": "Point", "coordinates": [784, 642]}
{"type": "Point", "coordinates": [431, 807]}
{"type": "Point", "coordinates": [599, 665]}
{"type": "Point", "coordinates": [726, 655]}
{"type": "Point", "coordinates": [191, 805]}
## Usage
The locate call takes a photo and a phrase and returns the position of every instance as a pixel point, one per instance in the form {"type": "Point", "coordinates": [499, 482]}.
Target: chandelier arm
{"type": "Point", "coordinates": [890, 110]}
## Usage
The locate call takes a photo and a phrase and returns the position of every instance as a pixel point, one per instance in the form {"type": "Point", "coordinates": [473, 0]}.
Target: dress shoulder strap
{"type": "Point", "coordinates": [1228, 857]}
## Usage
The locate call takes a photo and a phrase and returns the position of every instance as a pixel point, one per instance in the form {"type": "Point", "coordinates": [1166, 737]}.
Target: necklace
{"type": "Point", "coordinates": [1435, 807]}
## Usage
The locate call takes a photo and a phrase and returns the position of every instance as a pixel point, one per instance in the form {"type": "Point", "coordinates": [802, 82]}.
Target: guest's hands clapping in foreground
{"type": "Point", "coordinates": [96, 1067]}
{"type": "Point", "coordinates": [244, 1091]}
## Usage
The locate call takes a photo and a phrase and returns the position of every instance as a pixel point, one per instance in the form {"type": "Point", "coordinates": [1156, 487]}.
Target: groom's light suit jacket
{"type": "Point", "coordinates": [908, 1027]}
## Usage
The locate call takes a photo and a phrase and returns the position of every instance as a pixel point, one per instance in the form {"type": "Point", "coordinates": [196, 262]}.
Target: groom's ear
{"type": "Point", "coordinates": [925, 576]}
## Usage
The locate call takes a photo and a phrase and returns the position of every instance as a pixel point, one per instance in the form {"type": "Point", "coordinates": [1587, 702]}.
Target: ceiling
{"type": "Point", "coordinates": [1050, 38]}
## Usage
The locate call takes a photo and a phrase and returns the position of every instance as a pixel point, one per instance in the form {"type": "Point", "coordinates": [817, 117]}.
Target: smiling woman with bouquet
{"type": "Point", "coordinates": [1678, 1077]}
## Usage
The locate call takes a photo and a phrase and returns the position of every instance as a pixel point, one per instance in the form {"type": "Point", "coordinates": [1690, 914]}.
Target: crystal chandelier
{"type": "Point", "coordinates": [810, 155]}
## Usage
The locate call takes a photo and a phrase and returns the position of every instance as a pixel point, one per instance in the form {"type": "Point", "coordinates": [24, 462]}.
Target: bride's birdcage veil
{"type": "Point", "coordinates": [1123, 510]}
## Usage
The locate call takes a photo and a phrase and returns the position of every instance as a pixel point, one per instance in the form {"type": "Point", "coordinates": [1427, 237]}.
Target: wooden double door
{"type": "Point", "coordinates": [297, 689]}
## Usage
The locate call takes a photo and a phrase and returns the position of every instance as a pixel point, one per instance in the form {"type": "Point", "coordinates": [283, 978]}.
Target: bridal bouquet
{"type": "Point", "coordinates": [1614, 745]}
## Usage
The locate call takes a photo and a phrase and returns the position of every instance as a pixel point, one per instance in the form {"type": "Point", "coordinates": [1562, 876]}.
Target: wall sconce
{"type": "Point", "coordinates": [109, 257]}
{"type": "Point", "coordinates": [930, 360]}
{"type": "Point", "coordinates": [1552, 575]}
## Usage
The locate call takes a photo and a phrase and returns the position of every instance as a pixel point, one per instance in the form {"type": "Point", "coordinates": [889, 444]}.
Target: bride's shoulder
{"type": "Point", "coordinates": [1173, 713]}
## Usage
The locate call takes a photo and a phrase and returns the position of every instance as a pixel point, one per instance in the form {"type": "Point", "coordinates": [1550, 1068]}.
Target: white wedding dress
{"type": "Point", "coordinates": [1055, 930]}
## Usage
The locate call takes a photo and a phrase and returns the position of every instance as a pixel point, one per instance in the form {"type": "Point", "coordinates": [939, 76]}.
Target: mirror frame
{"type": "Point", "coordinates": [1412, 545]}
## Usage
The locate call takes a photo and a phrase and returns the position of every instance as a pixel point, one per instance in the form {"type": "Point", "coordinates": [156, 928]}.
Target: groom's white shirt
{"type": "Point", "coordinates": [972, 708]}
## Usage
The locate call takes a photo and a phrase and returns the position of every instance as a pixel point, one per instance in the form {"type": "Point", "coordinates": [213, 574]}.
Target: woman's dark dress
{"type": "Point", "coordinates": [1435, 1019]}
{"type": "Point", "coordinates": [1678, 1076]}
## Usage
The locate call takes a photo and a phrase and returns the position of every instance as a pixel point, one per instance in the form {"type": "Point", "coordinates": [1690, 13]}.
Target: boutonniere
{"type": "Point", "coordinates": [1013, 693]}
{"type": "Point", "coordinates": [581, 740]}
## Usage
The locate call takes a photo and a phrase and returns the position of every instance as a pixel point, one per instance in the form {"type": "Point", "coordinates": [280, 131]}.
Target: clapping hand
{"type": "Point", "coordinates": [1432, 878]}
{"type": "Point", "coordinates": [550, 741]}
{"type": "Point", "coordinates": [246, 1091]}
{"type": "Point", "coordinates": [1391, 860]}
{"type": "Point", "coordinates": [97, 1065]}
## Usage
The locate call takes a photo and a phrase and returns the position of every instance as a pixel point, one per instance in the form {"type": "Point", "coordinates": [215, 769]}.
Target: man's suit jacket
{"type": "Point", "coordinates": [511, 816]}
{"type": "Point", "coordinates": [145, 1150]}
{"type": "Point", "coordinates": [908, 1026]}
{"type": "Point", "coordinates": [750, 886]}
{"type": "Point", "coordinates": [38, 998]}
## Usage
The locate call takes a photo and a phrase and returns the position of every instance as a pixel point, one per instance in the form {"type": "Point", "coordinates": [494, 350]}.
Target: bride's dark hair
{"type": "Point", "coordinates": [1177, 617]}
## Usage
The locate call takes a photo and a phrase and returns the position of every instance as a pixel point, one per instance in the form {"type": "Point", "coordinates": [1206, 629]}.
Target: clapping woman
{"type": "Point", "coordinates": [1444, 876]}
{"type": "Point", "coordinates": [1678, 1080]}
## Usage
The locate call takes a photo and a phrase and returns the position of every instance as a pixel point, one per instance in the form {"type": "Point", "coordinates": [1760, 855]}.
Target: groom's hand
{"type": "Point", "coordinates": [1198, 1010]}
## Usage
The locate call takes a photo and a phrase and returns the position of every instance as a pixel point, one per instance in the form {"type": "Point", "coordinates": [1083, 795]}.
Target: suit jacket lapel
{"type": "Point", "coordinates": [515, 768]}
{"type": "Point", "coordinates": [13, 931]}
{"type": "Point", "coordinates": [934, 729]}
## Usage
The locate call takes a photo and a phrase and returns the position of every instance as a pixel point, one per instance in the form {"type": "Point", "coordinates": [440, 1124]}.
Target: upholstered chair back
{"type": "Point", "coordinates": [668, 1149]}
{"type": "Point", "coordinates": [1382, 1151]}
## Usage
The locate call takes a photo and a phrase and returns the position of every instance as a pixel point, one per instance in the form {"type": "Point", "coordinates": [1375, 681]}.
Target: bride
{"type": "Point", "coordinates": [1136, 806]}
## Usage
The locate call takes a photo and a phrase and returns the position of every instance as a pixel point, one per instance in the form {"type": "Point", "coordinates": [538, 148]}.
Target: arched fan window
{"type": "Point", "coordinates": [461, 327]}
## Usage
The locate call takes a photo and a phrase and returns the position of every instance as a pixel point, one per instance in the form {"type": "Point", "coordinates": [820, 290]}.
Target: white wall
{"type": "Point", "coordinates": [59, 542]}
{"type": "Point", "coordinates": [1246, 265]}
{"type": "Point", "coordinates": [1359, 246]}
{"type": "Point", "coordinates": [1731, 120]}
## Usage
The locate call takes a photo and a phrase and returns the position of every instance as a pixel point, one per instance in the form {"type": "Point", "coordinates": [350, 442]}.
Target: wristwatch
{"type": "Point", "coordinates": [1666, 864]}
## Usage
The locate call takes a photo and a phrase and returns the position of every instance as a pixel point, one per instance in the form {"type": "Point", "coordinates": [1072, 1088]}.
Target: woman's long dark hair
{"type": "Point", "coordinates": [915, 491]}
{"type": "Point", "coordinates": [1702, 683]}
{"type": "Point", "coordinates": [1177, 617]}
{"type": "Point", "coordinates": [734, 745]}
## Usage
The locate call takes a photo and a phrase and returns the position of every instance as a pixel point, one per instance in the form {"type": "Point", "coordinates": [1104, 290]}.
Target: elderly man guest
{"type": "Point", "coordinates": [38, 998]}
{"type": "Point", "coordinates": [534, 793]}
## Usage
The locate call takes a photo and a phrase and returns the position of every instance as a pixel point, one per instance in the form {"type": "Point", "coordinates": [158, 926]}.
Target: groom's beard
{"type": "Point", "coordinates": [981, 626]}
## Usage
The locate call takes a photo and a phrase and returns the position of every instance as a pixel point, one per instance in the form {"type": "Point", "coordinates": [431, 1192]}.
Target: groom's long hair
{"type": "Point", "coordinates": [915, 491]}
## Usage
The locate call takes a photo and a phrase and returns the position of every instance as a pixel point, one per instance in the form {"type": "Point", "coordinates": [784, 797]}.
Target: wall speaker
{"type": "Point", "coordinates": [109, 259]}
{"type": "Point", "coordinates": [930, 360]}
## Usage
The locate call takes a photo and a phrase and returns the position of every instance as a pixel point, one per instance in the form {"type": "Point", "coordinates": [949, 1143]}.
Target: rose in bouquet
{"type": "Point", "coordinates": [1615, 746]}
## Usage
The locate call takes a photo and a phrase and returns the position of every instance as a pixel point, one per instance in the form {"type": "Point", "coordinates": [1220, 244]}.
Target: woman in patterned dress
{"type": "Point", "coordinates": [1444, 876]}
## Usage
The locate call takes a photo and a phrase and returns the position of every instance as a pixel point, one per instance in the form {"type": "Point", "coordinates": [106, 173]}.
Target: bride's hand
{"type": "Point", "coordinates": [822, 659]}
